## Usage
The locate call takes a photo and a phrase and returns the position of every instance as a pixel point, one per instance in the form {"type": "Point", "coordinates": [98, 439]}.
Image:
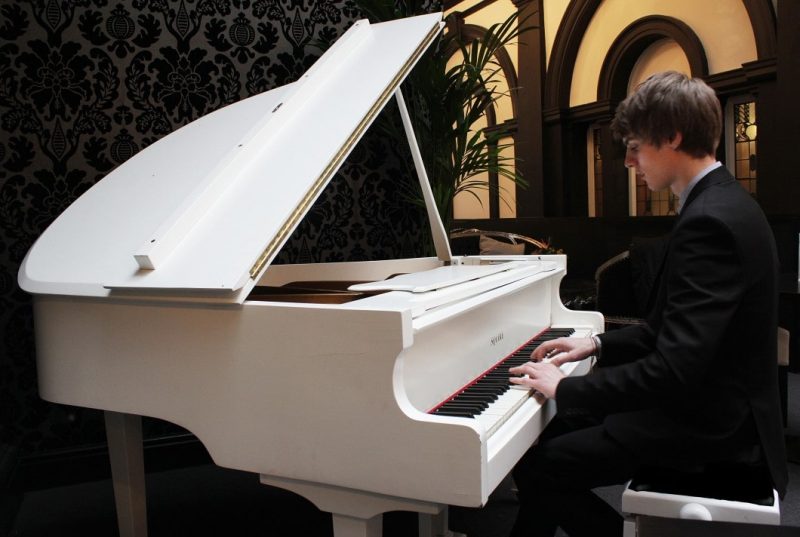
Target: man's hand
{"type": "Point", "coordinates": [565, 349]}
{"type": "Point", "coordinates": [542, 377]}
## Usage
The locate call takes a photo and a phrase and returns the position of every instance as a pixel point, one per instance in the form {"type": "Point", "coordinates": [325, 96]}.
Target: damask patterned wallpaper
{"type": "Point", "coordinates": [86, 84]}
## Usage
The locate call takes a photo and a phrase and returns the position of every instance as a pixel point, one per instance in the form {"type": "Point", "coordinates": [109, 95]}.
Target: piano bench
{"type": "Point", "coordinates": [724, 493]}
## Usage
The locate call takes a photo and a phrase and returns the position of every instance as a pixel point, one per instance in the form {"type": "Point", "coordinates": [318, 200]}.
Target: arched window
{"type": "Point", "coordinates": [486, 203]}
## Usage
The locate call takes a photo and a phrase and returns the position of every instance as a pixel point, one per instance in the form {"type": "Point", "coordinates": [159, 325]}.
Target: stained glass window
{"type": "Point", "coordinates": [597, 163]}
{"type": "Point", "coordinates": [649, 203]}
{"type": "Point", "coordinates": [745, 132]}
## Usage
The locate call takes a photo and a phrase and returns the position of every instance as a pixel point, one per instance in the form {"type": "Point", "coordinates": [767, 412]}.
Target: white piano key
{"type": "Point", "coordinates": [505, 406]}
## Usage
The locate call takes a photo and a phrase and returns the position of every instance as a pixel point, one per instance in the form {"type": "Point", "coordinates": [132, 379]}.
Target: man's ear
{"type": "Point", "coordinates": [676, 140]}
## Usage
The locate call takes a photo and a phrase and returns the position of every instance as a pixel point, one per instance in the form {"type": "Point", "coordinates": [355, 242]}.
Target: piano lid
{"type": "Point", "coordinates": [204, 210]}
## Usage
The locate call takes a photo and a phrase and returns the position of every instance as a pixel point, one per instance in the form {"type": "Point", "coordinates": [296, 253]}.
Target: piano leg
{"type": "Point", "coordinates": [429, 526]}
{"type": "Point", "coordinates": [346, 526]}
{"type": "Point", "coordinates": [436, 525]}
{"type": "Point", "coordinates": [124, 433]}
{"type": "Point", "coordinates": [357, 513]}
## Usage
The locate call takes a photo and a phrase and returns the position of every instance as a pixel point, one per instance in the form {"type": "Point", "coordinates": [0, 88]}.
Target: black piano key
{"type": "Point", "coordinates": [473, 407]}
{"type": "Point", "coordinates": [471, 398]}
{"type": "Point", "coordinates": [466, 401]}
{"type": "Point", "coordinates": [471, 411]}
{"type": "Point", "coordinates": [478, 389]}
{"type": "Point", "coordinates": [485, 391]}
{"type": "Point", "coordinates": [494, 382]}
{"type": "Point", "coordinates": [455, 413]}
{"type": "Point", "coordinates": [468, 395]}
{"type": "Point", "coordinates": [494, 387]}
{"type": "Point", "coordinates": [481, 394]}
{"type": "Point", "coordinates": [474, 401]}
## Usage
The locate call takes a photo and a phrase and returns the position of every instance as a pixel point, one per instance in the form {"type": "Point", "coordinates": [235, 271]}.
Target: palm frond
{"type": "Point", "coordinates": [448, 103]}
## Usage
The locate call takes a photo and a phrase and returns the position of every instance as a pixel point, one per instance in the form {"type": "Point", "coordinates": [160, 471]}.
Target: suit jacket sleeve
{"type": "Point", "coordinates": [626, 344]}
{"type": "Point", "coordinates": [704, 286]}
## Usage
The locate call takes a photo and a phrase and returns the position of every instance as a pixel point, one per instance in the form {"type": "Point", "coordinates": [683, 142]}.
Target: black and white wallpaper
{"type": "Point", "coordinates": [86, 84]}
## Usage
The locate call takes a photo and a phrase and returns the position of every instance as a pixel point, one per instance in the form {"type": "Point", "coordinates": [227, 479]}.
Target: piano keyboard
{"type": "Point", "coordinates": [491, 398]}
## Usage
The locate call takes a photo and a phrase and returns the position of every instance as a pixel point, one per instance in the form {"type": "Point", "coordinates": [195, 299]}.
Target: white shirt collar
{"type": "Point", "coordinates": [685, 194]}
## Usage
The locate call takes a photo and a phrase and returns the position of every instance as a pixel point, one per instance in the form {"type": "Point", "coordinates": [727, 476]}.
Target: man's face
{"type": "Point", "coordinates": [654, 165]}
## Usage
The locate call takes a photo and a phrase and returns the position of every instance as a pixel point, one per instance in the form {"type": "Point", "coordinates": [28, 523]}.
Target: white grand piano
{"type": "Point", "coordinates": [155, 295]}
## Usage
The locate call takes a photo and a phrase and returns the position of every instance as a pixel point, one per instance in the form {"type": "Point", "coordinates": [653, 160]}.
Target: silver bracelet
{"type": "Point", "coordinates": [598, 345]}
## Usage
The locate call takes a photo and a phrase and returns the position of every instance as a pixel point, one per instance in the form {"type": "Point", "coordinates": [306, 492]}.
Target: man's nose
{"type": "Point", "coordinates": [630, 162]}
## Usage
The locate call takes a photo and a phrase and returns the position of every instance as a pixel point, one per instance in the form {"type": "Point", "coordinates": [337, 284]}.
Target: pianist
{"type": "Point", "coordinates": [697, 383]}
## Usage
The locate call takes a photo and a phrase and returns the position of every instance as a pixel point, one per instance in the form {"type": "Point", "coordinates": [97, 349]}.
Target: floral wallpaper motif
{"type": "Point", "coordinates": [86, 84]}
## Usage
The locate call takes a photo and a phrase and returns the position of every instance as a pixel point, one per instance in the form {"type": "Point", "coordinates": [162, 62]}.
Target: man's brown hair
{"type": "Point", "coordinates": [669, 103]}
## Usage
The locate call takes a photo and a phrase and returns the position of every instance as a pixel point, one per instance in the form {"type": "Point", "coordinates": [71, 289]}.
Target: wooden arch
{"type": "Point", "coordinates": [634, 40]}
{"type": "Point", "coordinates": [576, 21]}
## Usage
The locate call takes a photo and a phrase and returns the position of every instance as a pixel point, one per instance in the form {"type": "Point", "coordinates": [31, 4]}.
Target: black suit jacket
{"type": "Point", "coordinates": [697, 382]}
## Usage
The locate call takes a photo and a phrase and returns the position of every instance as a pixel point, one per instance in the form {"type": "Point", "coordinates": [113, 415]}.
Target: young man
{"type": "Point", "coordinates": [697, 383]}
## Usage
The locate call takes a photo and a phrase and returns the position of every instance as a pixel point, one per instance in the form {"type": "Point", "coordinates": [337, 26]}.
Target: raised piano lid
{"type": "Point", "coordinates": [203, 211]}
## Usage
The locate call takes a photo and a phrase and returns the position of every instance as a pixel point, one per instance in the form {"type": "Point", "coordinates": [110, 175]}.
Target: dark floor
{"type": "Point", "coordinates": [210, 501]}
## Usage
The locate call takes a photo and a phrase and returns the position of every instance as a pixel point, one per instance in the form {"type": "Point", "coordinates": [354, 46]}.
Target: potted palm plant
{"type": "Point", "coordinates": [447, 102]}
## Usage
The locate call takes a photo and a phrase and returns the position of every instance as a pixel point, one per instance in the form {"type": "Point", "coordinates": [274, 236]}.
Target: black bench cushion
{"type": "Point", "coordinates": [735, 482]}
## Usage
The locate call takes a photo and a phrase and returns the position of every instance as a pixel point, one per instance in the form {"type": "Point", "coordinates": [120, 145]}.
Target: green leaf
{"type": "Point", "coordinates": [448, 103]}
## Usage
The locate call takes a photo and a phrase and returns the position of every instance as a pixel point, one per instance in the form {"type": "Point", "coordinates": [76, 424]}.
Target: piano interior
{"type": "Point", "coordinates": [311, 292]}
